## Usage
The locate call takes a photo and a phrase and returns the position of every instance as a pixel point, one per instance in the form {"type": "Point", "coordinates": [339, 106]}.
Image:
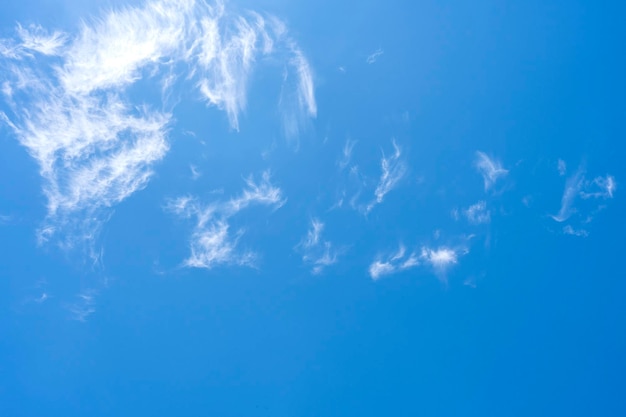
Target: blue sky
{"type": "Point", "coordinates": [271, 208]}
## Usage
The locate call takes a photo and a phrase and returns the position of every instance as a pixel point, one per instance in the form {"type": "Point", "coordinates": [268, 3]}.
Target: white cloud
{"type": "Point", "coordinates": [84, 306]}
{"type": "Point", "coordinates": [297, 101]}
{"type": "Point", "coordinates": [490, 169]}
{"type": "Point", "coordinates": [373, 57]}
{"type": "Point", "coordinates": [33, 38]}
{"type": "Point", "coordinates": [346, 154]}
{"type": "Point", "coordinates": [212, 241]}
{"type": "Point", "coordinates": [394, 263]}
{"type": "Point", "coordinates": [439, 259]}
{"type": "Point", "coordinates": [478, 213]}
{"type": "Point", "coordinates": [37, 39]}
{"type": "Point", "coordinates": [393, 169]}
{"type": "Point", "coordinates": [262, 192]}
{"type": "Point", "coordinates": [562, 167]}
{"type": "Point", "coordinates": [95, 59]}
{"type": "Point", "coordinates": [74, 113]}
{"type": "Point", "coordinates": [195, 173]}
{"type": "Point", "coordinates": [317, 252]}
{"type": "Point", "coordinates": [605, 187]}
{"type": "Point", "coordinates": [572, 189]}
{"type": "Point", "coordinates": [577, 186]}
{"type": "Point", "coordinates": [569, 230]}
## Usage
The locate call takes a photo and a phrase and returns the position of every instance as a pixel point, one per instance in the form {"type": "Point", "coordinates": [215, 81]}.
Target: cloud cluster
{"type": "Point", "coordinates": [213, 242]}
{"type": "Point", "coordinates": [71, 108]}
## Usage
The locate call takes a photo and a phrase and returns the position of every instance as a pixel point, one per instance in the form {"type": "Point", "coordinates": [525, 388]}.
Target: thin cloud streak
{"type": "Point", "coordinates": [393, 170]}
{"type": "Point", "coordinates": [490, 169]}
{"type": "Point", "coordinates": [572, 189]}
{"type": "Point", "coordinates": [373, 57]}
{"type": "Point", "coordinates": [346, 154]}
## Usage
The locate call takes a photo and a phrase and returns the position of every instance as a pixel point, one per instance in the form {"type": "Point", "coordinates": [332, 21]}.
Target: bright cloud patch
{"type": "Point", "coordinates": [213, 242]}
{"type": "Point", "coordinates": [71, 108]}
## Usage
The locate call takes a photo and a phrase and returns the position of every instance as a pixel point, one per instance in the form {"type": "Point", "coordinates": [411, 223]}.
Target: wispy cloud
{"type": "Point", "coordinates": [297, 102]}
{"type": "Point", "coordinates": [394, 263]}
{"type": "Point", "coordinates": [478, 213]}
{"type": "Point", "coordinates": [195, 173]}
{"type": "Point", "coordinates": [439, 259]}
{"type": "Point", "coordinates": [393, 169]}
{"type": "Point", "coordinates": [490, 169]}
{"type": "Point", "coordinates": [94, 146]}
{"type": "Point", "coordinates": [317, 252]}
{"type": "Point", "coordinates": [84, 306]}
{"type": "Point", "coordinates": [569, 230]}
{"type": "Point", "coordinates": [346, 154]}
{"type": "Point", "coordinates": [581, 213]}
{"type": "Point", "coordinates": [373, 57]}
{"type": "Point", "coordinates": [600, 187]}
{"type": "Point", "coordinates": [213, 242]}
{"type": "Point", "coordinates": [31, 40]}
{"type": "Point", "coordinates": [561, 167]}
{"type": "Point", "coordinates": [572, 188]}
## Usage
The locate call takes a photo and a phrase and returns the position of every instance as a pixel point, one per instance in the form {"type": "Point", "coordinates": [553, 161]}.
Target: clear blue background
{"type": "Point", "coordinates": [542, 333]}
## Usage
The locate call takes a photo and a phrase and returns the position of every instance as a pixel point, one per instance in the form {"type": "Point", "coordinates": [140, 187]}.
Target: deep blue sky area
{"type": "Point", "coordinates": [279, 208]}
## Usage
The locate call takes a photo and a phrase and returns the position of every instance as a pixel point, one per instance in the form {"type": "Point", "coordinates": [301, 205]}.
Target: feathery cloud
{"type": "Point", "coordinates": [373, 57]}
{"type": "Point", "coordinates": [346, 154]}
{"type": "Point", "coordinates": [490, 169]}
{"type": "Point", "coordinates": [394, 263]}
{"type": "Point", "coordinates": [439, 259]}
{"type": "Point", "coordinates": [477, 213]}
{"type": "Point", "coordinates": [393, 169]}
{"type": "Point", "coordinates": [577, 186]}
{"type": "Point", "coordinates": [212, 241]}
{"type": "Point", "coordinates": [572, 189]}
{"type": "Point", "coordinates": [317, 252]}
{"type": "Point", "coordinates": [84, 306]}
{"type": "Point", "coordinates": [569, 230]}
{"type": "Point", "coordinates": [604, 188]}
{"type": "Point", "coordinates": [94, 146]}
